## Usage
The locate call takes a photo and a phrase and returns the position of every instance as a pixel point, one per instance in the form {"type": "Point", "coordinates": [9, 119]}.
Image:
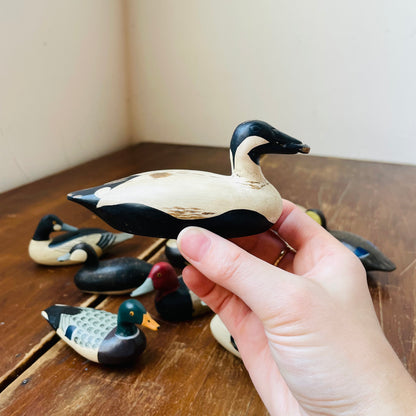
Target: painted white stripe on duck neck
{"type": "Point", "coordinates": [243, 166]}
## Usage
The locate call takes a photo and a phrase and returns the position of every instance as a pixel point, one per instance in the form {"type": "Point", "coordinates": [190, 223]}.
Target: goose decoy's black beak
{"type": "Point", "coordinates": [289, 145]}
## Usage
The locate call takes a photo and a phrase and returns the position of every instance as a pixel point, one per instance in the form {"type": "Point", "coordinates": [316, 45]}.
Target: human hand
{"type": "Point", "coordinates": [306, 330]}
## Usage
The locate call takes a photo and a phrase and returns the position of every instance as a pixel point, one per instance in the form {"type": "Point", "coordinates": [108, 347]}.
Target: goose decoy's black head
{"type": "Point", "coordinates": [276, 141]}
{"type": "Point", "coordinates": [48, 224]}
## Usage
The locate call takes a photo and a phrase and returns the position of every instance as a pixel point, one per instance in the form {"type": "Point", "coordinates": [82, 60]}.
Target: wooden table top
{"type": "Point", "coordinates": [183, 371]}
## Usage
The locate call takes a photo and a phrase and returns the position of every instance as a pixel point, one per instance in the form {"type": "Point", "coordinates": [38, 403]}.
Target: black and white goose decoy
{"type": "Point", "coordinates": [45, 250]}
{"type": "Point", "coordinates": [371, 257]}
{"type": "Point", "coordinates": [161, 203]}
{"type": "Point", "coordinates": [108, 277]}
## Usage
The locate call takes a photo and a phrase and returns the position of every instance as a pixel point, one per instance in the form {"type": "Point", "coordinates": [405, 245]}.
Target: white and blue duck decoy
{"type": "Point", "coordinates": [45, 250]}
{"type": "Point", "coordinates": [161, 203]}
{"type": "Point", "coordinates": [108, 277]}
{"type": "Point", "coordinates": [371, 257]}
{"type": "Point", "coordinates": [101, 336]}
{"type": "Point", "coordinates": [173, 301]}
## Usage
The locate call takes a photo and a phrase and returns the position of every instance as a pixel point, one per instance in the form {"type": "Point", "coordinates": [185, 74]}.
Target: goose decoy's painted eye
{"type": "Point", "coordinates": [131, 313]}
{"type": "Point", "coordinates": [255, 129]}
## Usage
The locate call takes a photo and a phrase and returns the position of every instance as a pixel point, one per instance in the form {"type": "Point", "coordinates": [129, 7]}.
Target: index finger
{"type": "Point", "coordinates": [297, 228]}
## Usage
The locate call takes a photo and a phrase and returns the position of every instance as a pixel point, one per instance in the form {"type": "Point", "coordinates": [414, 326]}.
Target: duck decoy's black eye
{"type": "Point", "coordinates": [131, 313]}
{"type": "Point", "coordinates": [255, 129]}
{"type": "Point", "coordinates": [159, 274]}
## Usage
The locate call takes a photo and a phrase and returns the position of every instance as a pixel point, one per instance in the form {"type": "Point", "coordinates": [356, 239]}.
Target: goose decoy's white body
{"type": "Point", "coordinates": [45, 250]}
{"type": "Point", "coordinates": [161, 203]}
{"type": "Point", "coordinates": [101, 336]}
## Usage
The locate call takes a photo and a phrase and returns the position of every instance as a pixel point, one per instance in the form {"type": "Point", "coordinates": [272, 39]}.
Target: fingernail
{"type": "Point", "coordinates": [193, 242]}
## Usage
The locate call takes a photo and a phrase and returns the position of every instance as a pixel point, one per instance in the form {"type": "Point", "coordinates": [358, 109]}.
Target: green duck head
{"type": "Point", "coordinates": [130, 313]}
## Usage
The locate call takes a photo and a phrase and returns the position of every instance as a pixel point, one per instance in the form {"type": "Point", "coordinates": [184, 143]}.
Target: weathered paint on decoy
{"type": "Point", "coordinates": [371, 257]}
{"type": "Point", "coordinates": [174, 301]}
{"type": "Point", "coordinates": [110, 277]}
{"type": "Point", "coordinates": [162, 203]}
{"type": "Point", "coordinates": [101, 336]}
{"type": "Point", "coordinates": [45, 250]}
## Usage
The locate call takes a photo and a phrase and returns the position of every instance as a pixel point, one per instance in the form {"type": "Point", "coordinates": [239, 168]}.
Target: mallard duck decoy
{"type": "Point", "coordinates": [223, 336]}
{"type": "Point", "coordinates": [173, 254]}
{"type": "Point", "coordinates": [371, 257]}
{"type": "Point", "coordinates": [45, 250]}
{"type": "Point", "coordinates": [174, 301]}
{"type": "Point", "coordinates": [108, 277]}
{"type": "Point", "coordinates": [101, 336]}
{"type": "Point", "coordinates": [162, 203]}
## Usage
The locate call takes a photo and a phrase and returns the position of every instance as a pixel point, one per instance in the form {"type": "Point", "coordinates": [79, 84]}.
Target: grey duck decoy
{"type": "Point", "coordinates": [371, 257]}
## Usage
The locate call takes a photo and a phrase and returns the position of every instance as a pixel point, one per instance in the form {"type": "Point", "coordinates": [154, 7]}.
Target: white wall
{"type": "Point", "coordinates": [63, 85]}
{"type": "Point", "coordinates": [79, 79]}
{"type": "Point", "coordinates": [338, 75]}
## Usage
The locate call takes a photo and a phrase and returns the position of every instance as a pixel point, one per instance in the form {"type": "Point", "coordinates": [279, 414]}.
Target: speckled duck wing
{"type": "Point", "coordinates": [83, 329]}
{"type": "Point", "coordinates": [162, 203]}
{"type": "Point", "coordinates": [371, 257]}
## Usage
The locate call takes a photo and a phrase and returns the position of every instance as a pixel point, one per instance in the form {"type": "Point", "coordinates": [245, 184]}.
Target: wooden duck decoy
{"type": "Point", "coordinates": [371, 257]}
{"type": "Point", "coordinates": [45, 250]}
{"type": "Point", "coordinates": [109, 277]}
{"type": "Point", "coordinates": [162, 203]}
{"type": "Point", "coordinates": [173, 254]}
{"type": "Point", "coordinates": [101, 336]}
{"type": "Point", "coordinates": [174, 301]}
{"type": "Point", "coordinates": [223, 336]}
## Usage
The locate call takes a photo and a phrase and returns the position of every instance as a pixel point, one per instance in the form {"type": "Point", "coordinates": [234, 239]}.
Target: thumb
{"type": "Point", "coordinates": [261, 286]}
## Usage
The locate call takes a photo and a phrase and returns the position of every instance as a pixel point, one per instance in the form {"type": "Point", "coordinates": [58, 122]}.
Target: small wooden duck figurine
{"type": "Point", "coordinates": [173, 254]}
{"type": "Point", "coordinates": [371, 257]}
{"type": "Point", "coordinates": [108, 277]}
{"type": "Point", "coordinates": [174, 301]}
{"type": "Point", "coordinates": [162, 203]}
{"type": "Point", "coordinates": [222, 335]}
{"type": "Point", "coordinates": [101, 336]}
{"type": "Point", "coordinates": [45, 250]}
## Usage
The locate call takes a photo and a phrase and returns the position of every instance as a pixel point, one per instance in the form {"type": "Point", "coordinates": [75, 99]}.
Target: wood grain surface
{"type": "Point", "coordinates": [183, 371]}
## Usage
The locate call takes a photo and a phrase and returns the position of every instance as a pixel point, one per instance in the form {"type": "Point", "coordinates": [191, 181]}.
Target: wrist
{"type": "Point", "coordinates": [394, 392]}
